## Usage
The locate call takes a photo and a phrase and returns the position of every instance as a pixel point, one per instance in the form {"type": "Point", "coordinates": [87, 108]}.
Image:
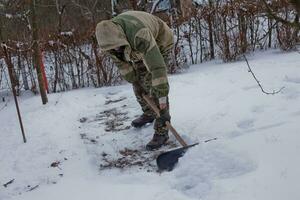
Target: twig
{"type": "Point", "coordinates": [206, 141]}
{"type": "Point", "coordinates": [55, 164]}
{"type": "Point", "coordinates": [272, 14]}
{"type": "Point", "coordinates": [18, 49]}
{"type": "Point", "coordinates": [258, 82]}
{"type": "Point", "coordinates": [9, 182]}
{"type": "Point", "coordinates": [33, 188]}
{"type": "Point", "coordinates": [154, 6]}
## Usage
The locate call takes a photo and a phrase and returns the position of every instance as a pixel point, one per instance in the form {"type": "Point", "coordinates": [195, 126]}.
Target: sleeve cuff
{"type": "Point", "coordinates": [162, 100]}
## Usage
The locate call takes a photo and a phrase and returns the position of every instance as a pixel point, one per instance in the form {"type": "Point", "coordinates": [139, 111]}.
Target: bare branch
{"type": "Point", "coordinates": [294, 24]}
{"type": "Point", "coordinates": [258, 82]}
{"type": "Point", "coordinates": [155, 4]}
{"type": "Point", "coordinates": [85, 10]}
{"type": "Point", "coordinates": [9, 182]}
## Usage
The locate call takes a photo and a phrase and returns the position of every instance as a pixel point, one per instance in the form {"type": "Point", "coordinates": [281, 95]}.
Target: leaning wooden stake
{"type": "Point", "coordinates": [10, 71]}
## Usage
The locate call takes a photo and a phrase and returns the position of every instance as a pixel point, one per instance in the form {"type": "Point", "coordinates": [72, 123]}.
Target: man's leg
{"type": "Point", "coordinates": [160, 136]}
{"type": "Point", "coordinates": [143, 86]}
{"type": "Point", "coordinates": [159, 125]}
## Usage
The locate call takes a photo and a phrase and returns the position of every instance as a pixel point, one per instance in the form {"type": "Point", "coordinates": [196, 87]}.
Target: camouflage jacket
{"type": "Point", "coordinates": [146, 38]}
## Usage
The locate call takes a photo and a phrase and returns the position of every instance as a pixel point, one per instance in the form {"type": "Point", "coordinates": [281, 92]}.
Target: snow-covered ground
{"type": "Point", "coordinates": [81, 146]}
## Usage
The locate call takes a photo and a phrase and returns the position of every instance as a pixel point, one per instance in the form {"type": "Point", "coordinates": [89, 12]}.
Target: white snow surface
{"type": "Point", "coordinates": [256, 155]}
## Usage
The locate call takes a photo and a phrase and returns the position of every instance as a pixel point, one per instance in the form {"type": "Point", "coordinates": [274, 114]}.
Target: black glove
{"type": "Point", "coordinates": [164, 116]}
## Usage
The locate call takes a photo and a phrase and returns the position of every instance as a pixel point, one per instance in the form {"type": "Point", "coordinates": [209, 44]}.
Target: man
{"type": "Point", "coordinates": [140, 44]}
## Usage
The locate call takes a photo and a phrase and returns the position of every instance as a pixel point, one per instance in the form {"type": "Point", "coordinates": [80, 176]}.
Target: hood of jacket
{"type": "Point", "coordinates": [110, 35]}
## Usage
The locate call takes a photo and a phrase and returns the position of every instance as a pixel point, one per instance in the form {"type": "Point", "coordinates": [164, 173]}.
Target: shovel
{"type": "Point", "coordinates": [167, 160]}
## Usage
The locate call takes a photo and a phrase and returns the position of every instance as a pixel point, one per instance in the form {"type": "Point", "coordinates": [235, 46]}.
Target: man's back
{"type": "Point", "coordinates": [133, 21]}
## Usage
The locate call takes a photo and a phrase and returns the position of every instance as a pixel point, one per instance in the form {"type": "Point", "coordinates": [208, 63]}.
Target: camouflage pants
{"type": "Point", "coordinates": [145, 80]}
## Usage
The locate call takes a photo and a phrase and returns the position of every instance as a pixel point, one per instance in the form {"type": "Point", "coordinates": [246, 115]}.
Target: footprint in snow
{"type": "Point", "coordinates": [246, 124]}
{"type": "Point", "coordinates": [297, 113]}
{"type": "Point", "coordinates": [205, 165]}
{"type": "Point", "coordinates": [292, 79]}
{"type": "Point", "coordinates": [291, 93]}
{"type": "Point", "coordinates": [246, 88]}
{"type": "Point", "coordinates": [258, 109]}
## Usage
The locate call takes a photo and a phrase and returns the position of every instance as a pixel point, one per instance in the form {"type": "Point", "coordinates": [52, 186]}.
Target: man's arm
{"type": "Point", "coordinates": [125, 68]}
{"type": "Point", "coordinates": [146, 44]}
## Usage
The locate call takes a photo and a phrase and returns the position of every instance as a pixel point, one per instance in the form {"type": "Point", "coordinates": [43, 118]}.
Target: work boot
{"type": "Point", "coordinates": [157, 141]}
{"type": "Point", "coordinates": [142, 120]}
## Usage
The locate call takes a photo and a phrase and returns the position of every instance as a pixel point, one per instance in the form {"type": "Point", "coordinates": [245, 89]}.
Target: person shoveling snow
{"type": "Point", "coordinates": [140, 44]}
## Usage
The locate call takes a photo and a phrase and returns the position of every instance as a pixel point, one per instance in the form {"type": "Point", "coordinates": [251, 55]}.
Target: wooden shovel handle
{"type": "Point", "coordinates": [168, 124]}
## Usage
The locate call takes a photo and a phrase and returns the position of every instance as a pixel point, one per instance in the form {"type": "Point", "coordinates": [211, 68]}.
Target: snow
{"type": "Point", "coordinates": [160, 5]}
{"type": "Point", "coordinates": [254, 157]}
{"type": "Point", "coordinates": [51, 42]}
{"type": "Point", "coordinates": [9, 16]}
{"type": "Point", "coordinates": [67, 33]}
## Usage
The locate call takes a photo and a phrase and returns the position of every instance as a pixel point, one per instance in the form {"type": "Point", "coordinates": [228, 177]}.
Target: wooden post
{"type": "Point", "coordinates": [13, 84]}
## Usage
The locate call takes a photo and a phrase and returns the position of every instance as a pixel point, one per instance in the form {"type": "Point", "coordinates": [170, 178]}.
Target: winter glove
{"type": "Point", "coordinates": [164, 116]}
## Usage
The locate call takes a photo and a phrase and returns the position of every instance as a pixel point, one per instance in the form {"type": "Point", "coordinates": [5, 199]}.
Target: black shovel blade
{"type": "Point", "coordinates": [167, 160]}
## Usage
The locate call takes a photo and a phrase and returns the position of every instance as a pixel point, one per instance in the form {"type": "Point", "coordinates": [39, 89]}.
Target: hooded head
{"type": "Point", "coordinates": [110, 35]}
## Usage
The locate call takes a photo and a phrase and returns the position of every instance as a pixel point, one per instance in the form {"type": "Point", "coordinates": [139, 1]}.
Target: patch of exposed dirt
{"type": "Point", "coordinates": [129, 158]}
{"type": "Point", "coordinates": [109, 101]}
{"type": "Point", "coordinates": [113, 119]}
{"type": "Point", "coordinates": [89, 140]}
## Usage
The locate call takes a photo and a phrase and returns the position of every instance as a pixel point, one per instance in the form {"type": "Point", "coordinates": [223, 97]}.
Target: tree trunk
{"type": "Point", "coordinates": [37, 53]}
{"type": "Point", "coordinates": [55, 71]}
{"type": "Point", "coordinates": [99, 66]}
{"type": "Point", "coordinates": [270, 27]}
{"type": "Point", "coordinates": [189, 37]}
{"type": "Point", "coordinates": [243, 32]}
{"type": "Point", "coordinates": [28, 59]}
{"type": "Point", "coordinates": [226, 41]}
{"type": "Point", "coordinates": [1, 30]}
{"type": "Point", "coordinates": [201, 38]}
{"type": "Point", "coordinates": [210, 31]}
{"type": "Point", "coordinates": [23, 71]}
